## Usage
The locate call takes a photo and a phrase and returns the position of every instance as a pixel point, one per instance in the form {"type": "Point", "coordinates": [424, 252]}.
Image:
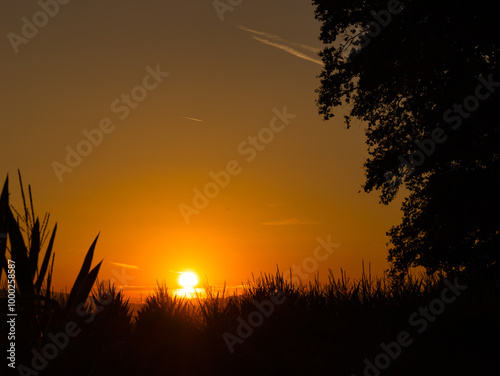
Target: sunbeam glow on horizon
{"type": "Point", "coordinates": [188, 282]}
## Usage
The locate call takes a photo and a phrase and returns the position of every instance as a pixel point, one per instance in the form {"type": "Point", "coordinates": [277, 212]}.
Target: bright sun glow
{"type": "Point", "coordinates": [188, 280]}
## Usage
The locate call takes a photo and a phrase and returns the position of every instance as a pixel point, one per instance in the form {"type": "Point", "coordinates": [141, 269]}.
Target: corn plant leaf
{"type": "Point", "coordinates": [85, 288]}
{"type": "Point", "coordinates": [34, 248]}
{"type": "Point", "coordinates": [27, 218]}
{"type": "Point", "coordinates": [4, 206]}
{"type": "Point", "coordinates": [19, 254]}
{"type": "Point", "coordinates": [3, 259]}
{"type": "Point", "coordinates": [46, 259]}
{"type": "Point", "coordinates": [18, 250]}
{"type": "Point", "coordinates": [49, 276]}
{"type": "Point", "coordinates": [31, 202]}
{"type": "Point", "coordinates": [84, 271]}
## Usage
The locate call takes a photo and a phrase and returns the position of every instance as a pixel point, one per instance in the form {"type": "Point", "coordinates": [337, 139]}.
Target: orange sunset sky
{"type": "Point", "coordinates": [96, 64]}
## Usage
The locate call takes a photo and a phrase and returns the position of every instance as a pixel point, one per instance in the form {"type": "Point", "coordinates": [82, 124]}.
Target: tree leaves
{"type": "Point", "coordinates": [413, 69]}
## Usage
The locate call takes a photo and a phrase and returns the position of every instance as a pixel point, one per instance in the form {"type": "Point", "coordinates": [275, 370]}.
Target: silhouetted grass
{"type": "Point", "coordinates": [317, 328]}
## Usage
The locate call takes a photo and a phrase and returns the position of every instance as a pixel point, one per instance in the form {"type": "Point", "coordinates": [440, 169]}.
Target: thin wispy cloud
{"type": "Point", "coordinates": [141, 287]}
{"type": "Point", "coordinates": [282, 44]}
{"type": "Point", "coordinates": [124, 265]}
{"type": "Point", "coordinates": [193, 119]}
{"type": "Point", "coordinates": [173, 271]}
{"type": "Point", "coordinates": [290, 222]}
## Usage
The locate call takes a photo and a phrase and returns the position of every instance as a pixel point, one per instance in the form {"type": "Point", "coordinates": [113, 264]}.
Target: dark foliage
{"type": "Point", "coordinates": [405, 73]}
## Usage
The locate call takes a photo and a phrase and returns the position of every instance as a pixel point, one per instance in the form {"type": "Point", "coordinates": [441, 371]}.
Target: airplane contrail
{"type": "Point", "coordinates": [278, 42]}
{"type": "Point", "coordinates": [290, 50]}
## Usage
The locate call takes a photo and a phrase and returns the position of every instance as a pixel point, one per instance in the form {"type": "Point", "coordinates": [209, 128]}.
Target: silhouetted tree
{"type": "Point", "coordinates": [424, 77]}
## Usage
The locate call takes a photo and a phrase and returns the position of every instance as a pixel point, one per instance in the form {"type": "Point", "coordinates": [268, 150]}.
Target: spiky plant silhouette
{"type": "Point", "coordinates": [22, 240]}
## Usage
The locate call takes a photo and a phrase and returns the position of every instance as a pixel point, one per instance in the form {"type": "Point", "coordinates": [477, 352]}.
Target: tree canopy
{"type": "Point", "coordinates": [424, 78]}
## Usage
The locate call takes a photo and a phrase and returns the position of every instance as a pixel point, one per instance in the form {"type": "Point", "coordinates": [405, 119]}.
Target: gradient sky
{"type": "Point", "coordinates": [225, 78]}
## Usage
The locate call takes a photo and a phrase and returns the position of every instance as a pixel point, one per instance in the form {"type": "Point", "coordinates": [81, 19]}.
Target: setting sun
{"type": "Point", "coordinates": [188, 279]}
